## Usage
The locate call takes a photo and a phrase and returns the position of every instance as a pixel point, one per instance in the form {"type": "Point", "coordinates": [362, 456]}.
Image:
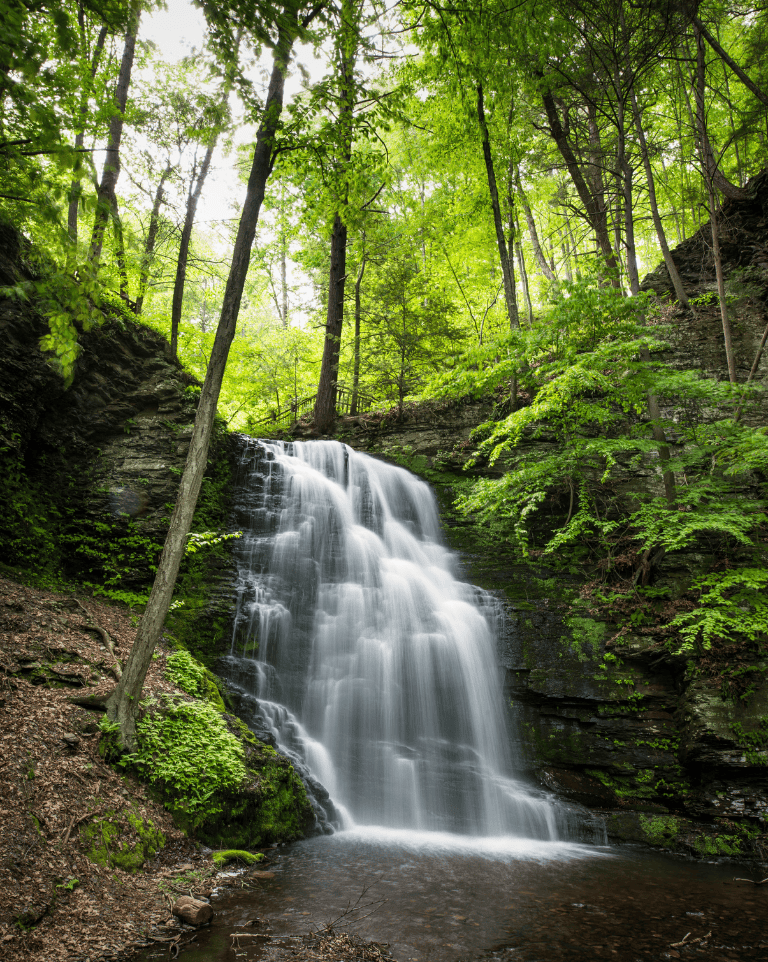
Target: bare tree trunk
{"type": "Point", "coordinates": [593, 206]}
{"type": "Point", "coordinates": [117, 227]}
{"type": "Point", "coordinates": [507, 266]}
{"type": "Point", "coordinates": [111, 171]}
{"type": "Point", "coordinates": [524, 281]}
{"type": "Point", "coordinates": [625, 181]}
{"type": "Point", "coordinates": [715, 177]}
{"type": "Point", "coordinates": [195, 190]}
{"type": "Point", "coordinates": [284, 274]}
{"type": "Point", "coordinates": [325, 403]}
{"type": "Point", "coordinates": [149, 245]}
{"type": "Point", "coordinates": [123, 703]}
{"type": "Point", "coordinates": [674, 274]}
{"type": "Point", "coordinates": [538, 253]}
{"type": "Point", "coordinates": [358, 314]}
{"type": "Point", "coordinates": [761, 95]}
{"type": "Point", "coordinates": [75, 189]}
{"type": "Point", "coordinates": [709, 168]}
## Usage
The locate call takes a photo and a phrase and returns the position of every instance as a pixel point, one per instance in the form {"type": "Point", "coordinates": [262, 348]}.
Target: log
{"type": "Point", "coordinates": [192, 911]}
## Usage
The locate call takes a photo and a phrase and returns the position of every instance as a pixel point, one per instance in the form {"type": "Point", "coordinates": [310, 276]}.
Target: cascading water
{"type": "Point", "coordinates": [362, 657]}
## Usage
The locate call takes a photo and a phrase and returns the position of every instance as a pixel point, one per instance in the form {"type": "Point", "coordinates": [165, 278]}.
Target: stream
{"type": "Point", "coordinates": [360, 653]}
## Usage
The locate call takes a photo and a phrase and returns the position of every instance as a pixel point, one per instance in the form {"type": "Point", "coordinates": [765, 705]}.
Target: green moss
{"type": "Point", "coordinates": [193, 678]}
{"type": "Point", "coordinates": [122, 840]}
{"type": "Point", "coordinates": [660, 830]}
{"type": "Point", "coordinates": [717, 845]}
{"type": "Point", "coordinates": [220, 859]}
{"type": "Point", "coordinates": [586, 637]}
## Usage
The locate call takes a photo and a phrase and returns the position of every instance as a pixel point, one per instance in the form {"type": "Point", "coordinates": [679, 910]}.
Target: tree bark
{"type": "Point", "coordinates": [75, 189]}
{"type": "Point", "coordinates": [674, 274]}
{"type": "Point", "coordinates": [284, 274]}
{"type": "Point", "coordinates": [123, 703]}
{"type": "Point", "coordinates": [595, 211]}
{"type": "Point", "coordinates": [709, 170]}
{"type": "Point", "coordinates": [149, 245]}
{"type": "Point", "coordinates": [325, 403]}
{"type": "Point", "coordinates": [538, 253]}
{"type": "Point", "coordinates": [111, 170]}
{"type": "Point", "coordinates": [193, 197]}
{"type": "Point", "coordinates": [761, 95]}
{"type": "Point", "coordinates": [625, 179]}
{"type": "Point", "coordinates": [117, 227]}
{"type": "Point", "coordinates": [716, 179]}
{"type": "Point", "coordinates": [358, 314]}
{"type": "Point", "coordinates": [507, 265]}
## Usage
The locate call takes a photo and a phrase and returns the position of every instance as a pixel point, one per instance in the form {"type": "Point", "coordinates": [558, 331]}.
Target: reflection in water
{"type": "Point", "coordinates": [363, 657]}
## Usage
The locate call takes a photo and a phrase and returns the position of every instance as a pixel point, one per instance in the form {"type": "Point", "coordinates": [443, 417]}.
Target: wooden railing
{"type": "Point", "coordinates": [298, 408]}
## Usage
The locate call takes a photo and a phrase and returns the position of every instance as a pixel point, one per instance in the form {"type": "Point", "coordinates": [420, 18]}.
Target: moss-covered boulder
{"type": "Point", "coordinates": [216, 778]}
{"type": "Point", "coordinates": [124, 840]}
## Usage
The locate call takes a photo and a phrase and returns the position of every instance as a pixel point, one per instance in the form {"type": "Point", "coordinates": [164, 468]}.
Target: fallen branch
{"type": "Point", "coordinates": [751, 880]}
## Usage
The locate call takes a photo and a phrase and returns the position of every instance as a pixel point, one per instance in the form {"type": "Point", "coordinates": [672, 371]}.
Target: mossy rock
{"type": "Point", "coordinates": [124, 840]}
{"type": "Point", "coordinates": [220, 859]}
{"type": "Point", "coordinates": [194, 678]}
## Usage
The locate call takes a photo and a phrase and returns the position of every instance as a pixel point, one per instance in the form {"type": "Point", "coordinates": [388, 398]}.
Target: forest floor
{"type": "Point", "coordinates": [55, 902]}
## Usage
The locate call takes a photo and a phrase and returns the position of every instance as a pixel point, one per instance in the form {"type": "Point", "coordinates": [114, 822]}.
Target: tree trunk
{"type": "Point", "coordinates": [716, 179]}
{"type": "Point", "coordinates": [75, 189]}
{"type": "Point", "coordinates": [674, 274]}
{"type": "Point", "coordinates": [625, 181]}
{"type": "Point", "coordinates": [538, 253]}
{"type": "Point", "coordinates": [149, 245]}
{"type": "Point", "coordinates": [358, 313]}
{"type": "Point", "coordinates": [195, 189]}
{"type": "Point", "coordinates": [123, 703]}
{"type": "Point", "coordinates": [507, 265]}
{"type": "Point", "coordinates": [284, 274]}
{"type": "Point", "coordinates": [709, 169]}
{"type": "Point", "coordinates": [761, 95]}
{"type": "Point", "coordinates": [594, 209]}
{"type": "Point", "coordinates": [325, 405]}
{"type": "Point", "coordinates": [117, 227]}
{"type": "Point", "coordinates": [111, 170]}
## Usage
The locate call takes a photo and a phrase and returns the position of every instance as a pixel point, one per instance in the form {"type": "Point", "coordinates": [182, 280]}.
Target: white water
{"type": "Point", "coordinates": [363, 656]}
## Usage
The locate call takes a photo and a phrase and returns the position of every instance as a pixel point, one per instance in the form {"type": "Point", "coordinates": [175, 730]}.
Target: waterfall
{"type": "Point", "coordinates": [360, 654]}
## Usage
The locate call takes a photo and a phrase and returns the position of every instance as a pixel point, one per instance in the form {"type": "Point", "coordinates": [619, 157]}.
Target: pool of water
{"type": "Point", "coordinates": [435, 896]}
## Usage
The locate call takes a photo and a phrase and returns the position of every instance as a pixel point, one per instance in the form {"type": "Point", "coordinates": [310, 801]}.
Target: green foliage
{"type": "Point", "coordinates": [187, 753]}
{"type": "Point", "coordinates": [731, 604]}
{"type": "Point", "coordinates": [193, 678]}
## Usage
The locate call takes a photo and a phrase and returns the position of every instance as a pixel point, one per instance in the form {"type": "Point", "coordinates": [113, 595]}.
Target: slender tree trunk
{"type": "Point", "coordinates": [111, 171]}
{"type": "Point", "coordinates": [564, 247]}
{"type": "Point", "coordinates": [625, 182]}
{"type": "Point", "coordinates": [709, 169]}
{"type": "Point", "coordinates": [753, 371]}
{"type": "Point", "coordinates": [193, 198]}
{"type": "Point", "coordinates": [75, 189]}
{"type": "Point", "coordinates": [714, 176]}
{"type": "Point", "coordinates": [674, 274]}
{"type": "Point", "coordinates": [538, 253]}
{"type": "Point", "coordinates": [761, 95]}
{"type": "Point", "coordinates": [507, 265]}
{"type": "Point", "coordinates": [284, 274]}
{"type": "Point", "coordinates": [117, 227]}
{"type": "Point", "coordinates": [524, 281]}
{"type": "Point", "coordinates": [325, 404]}
{"type": "Point", "coordinates": [149, 244]}
{"type": "Point", "coordinates": [358, 314]}
{"type": "Point", "coordinates": [123, 703]}
{"type": "Point", "coordinates": [593, 206]}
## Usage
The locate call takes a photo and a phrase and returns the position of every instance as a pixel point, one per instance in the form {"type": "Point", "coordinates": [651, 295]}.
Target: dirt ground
{"type": "Point", "coordinates": [55, 903]}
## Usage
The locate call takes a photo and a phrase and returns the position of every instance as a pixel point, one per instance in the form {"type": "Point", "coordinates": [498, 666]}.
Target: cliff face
{"type": "Point", "coordinates": [90, 473]}
{"type": "Point", "coordinates": [653, 740]}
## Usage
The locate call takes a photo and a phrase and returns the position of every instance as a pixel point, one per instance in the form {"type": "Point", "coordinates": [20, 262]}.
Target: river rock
{"type": "Point", "coordinates": [192, 911]}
